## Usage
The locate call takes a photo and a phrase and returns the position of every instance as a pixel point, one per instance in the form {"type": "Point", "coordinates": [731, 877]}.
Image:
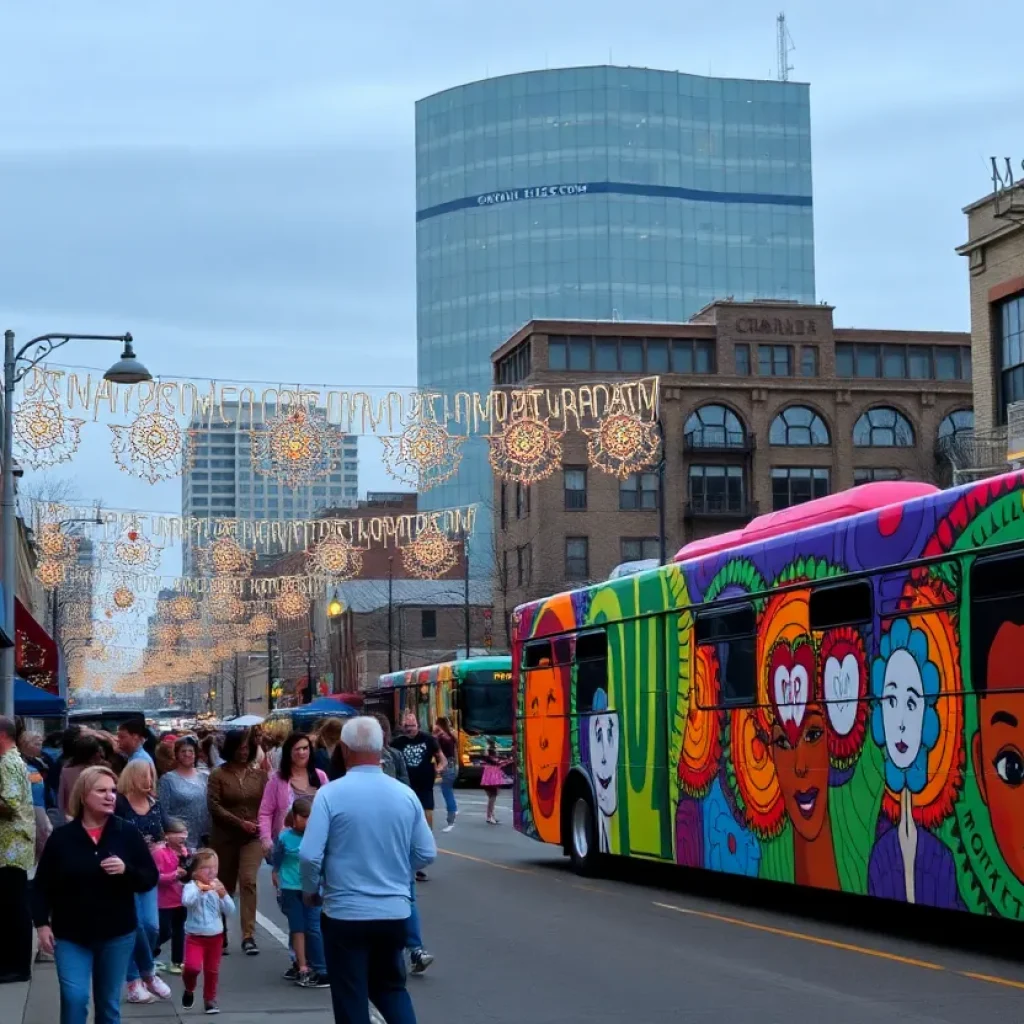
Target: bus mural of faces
{"type": "Point", "coordinates": [872, 743]}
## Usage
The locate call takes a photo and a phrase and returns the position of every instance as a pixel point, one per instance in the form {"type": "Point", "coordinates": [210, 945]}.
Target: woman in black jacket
{"type": "Point", "coordinates": [84, 898]}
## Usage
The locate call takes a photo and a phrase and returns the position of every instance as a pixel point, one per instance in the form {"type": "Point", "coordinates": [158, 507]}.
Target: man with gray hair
{"type": "Point", "coordinates": [366, 837]}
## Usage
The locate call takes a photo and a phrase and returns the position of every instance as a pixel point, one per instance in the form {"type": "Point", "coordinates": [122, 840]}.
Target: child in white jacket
{"type": "Point", "coordinates": [205, 900]}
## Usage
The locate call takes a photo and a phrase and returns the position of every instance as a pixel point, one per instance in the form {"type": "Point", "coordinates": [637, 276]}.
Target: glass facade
{"type": "Point", "coordinates": [598, 193]}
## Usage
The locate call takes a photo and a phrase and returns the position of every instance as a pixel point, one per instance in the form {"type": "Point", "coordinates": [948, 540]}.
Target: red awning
{"type": "Point", "coordinates": [35, 653]}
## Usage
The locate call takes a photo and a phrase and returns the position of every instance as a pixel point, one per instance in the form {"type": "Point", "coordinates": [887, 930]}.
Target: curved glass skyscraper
{"type": "Point", "coordinates": [598, 193]}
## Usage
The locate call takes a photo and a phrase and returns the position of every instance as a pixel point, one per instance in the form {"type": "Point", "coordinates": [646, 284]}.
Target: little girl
{"type": "Point", "coordinates": [205, 899]}
{"type": "Point", "coordinates": [493, 778]}
{"type": "Point", "coordinates": [171, 858]}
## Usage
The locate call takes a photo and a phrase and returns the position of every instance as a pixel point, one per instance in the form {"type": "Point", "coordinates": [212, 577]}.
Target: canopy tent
{"type": "Point", "coordinates": [32, 702]}
{"type": "Point", "coordinates": [244, 721]}
{"type": "Point", "coordinates": [324, 706]}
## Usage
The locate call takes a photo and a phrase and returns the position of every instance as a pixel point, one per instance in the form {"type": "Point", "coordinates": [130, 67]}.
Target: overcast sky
{"type": "Point", "coordinates": [233, 182]}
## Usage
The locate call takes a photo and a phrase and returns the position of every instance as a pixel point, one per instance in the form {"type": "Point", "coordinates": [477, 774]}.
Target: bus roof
{"type": "Point", "coordinates": [499, 662]}
{"type": "Point", "coordinates": [802, 525]}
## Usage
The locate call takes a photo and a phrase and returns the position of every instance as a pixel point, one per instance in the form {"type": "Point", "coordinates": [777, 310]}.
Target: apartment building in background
{"type": "Point", "coordinates": [763, 405]}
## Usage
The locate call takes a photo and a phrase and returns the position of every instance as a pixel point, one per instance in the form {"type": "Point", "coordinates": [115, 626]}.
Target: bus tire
{"type": "Point", "coordinates": [581, 840]}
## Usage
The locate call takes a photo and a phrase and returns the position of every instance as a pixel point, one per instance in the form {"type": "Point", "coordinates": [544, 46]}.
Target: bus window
{"type": "Point", "coordinates": [535, 652]}
{"type": "Point", "coordinates": [997, 612]}
{"type": "Point", "coordinates": [840, 604]}
{"type": "Point", "coordinates": [591, 668]}
{"type": "Point", "coordinates": [561, 648]}
{"type": "Point", "coordinates": [733, 633]}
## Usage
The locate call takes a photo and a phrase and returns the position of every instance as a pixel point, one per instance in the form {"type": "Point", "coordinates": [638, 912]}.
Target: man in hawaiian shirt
{"type": "Point", "coordinates": [17, 857]}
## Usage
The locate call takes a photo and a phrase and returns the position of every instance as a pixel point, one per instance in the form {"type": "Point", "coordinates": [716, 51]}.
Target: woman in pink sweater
{"type": "Point", "coordinates": [296, 777]}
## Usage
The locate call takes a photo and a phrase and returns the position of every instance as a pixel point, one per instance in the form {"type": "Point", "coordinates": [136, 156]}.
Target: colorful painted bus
{"type": "Point", "coordinates": [832, 696]}
{"type": "Point", "coordinates": [475, 694]}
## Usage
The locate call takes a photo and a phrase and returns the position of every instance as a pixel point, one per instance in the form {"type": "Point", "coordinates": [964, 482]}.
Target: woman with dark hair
{"type": "Point", "coordinates": [182, 791]}
{"type": "Point", "coordinates": [446, 740]}
{"type": "Point", "coordinates": [235, 792]}
{"type": "Point", "coordinates": [85, 753]}
{"type": "Point", "coordinates": [296, 777]}
{"type": "Point", "coordinates": [327, 743]}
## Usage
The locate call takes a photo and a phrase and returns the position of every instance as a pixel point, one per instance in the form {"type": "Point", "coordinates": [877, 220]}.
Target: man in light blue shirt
{"type": "Point", "coordinates": [366, 838]}
{"type": "Point", "coordinates": [131, 735]}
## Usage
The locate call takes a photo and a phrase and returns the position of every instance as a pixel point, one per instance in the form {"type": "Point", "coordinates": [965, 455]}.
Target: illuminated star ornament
{"type": "Point", "coordinates": [56, 544]}
{"type": "Point", "coordinates": [260, 625]}
{"type": "Point", "coordinates": [423, 455]}
{"type": "Point", "coordinates": [335, 557]}
{"type": "Point", "coordinates": [149, 448]}
{"type": "Point", "coordinates": [226, 557]}
{"type": "Point", "coordinates": [291, 605]}
{"type": "Point", "coordinates": [526, 450]}
{"type": "Point", "coordinates": [295, 447]}
{"type": "Point", "coordinates": [622, 444]}
{"type": "Point", "coordinates": [136, 552]}
{"type": "Point", "coordinates": [45, 436]}
{"type": "Point", "coordinates": [431, 554]}
{"type": "Point", "coordinates": [50, 573]}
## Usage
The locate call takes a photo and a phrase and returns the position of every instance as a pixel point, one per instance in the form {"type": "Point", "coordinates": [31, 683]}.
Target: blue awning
{"type": "Point", "coordinates": [31, 702]}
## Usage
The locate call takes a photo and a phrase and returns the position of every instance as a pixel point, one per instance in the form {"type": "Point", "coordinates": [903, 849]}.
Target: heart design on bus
{"type": "Point", "coordinates": [791, 671]}
{"type": "Point", "coordinates": [841, 684]}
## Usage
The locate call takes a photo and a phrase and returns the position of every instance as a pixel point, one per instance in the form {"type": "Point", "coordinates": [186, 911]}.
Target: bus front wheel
{"type": "Point", "coordinates": [582, 844]}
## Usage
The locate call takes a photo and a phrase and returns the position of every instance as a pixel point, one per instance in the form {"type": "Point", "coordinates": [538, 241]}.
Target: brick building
{"type": "Point", "coordinates": [995, 257]}
{"type": "Point", "coordinates": [763, 405]}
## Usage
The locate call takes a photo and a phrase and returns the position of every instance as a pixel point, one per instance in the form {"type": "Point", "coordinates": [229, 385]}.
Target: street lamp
{"type": "Point", "coordinates": [17, 363]}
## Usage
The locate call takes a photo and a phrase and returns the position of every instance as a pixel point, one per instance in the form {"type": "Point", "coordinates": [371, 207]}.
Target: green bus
{"type": "Point", "coordinates": [475, 694]}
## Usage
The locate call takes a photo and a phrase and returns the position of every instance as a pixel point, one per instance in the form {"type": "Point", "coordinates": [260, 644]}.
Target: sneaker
{"type": "Point", "coordinates": [159, 966]}
{"type": "Point", "coordinates": [158, 987]}
{"type": "Point", "coordinates": [311, 979]}
{"type": "Point", "coordinates": [421, 876]}
{"type": "Point", "coordinates": [188, 999]}
{"type": "Point", "coordinates": [44, 958]}
{"type": "Point", "coordinates": [175, 969]}
{"type": "Point", "coordinates": [421, 960]}
{"type": "Point", "coordinates": [138, 993]}
{"type": "Point", "coordinates": [212, 1008]}
{"type": "Point", "coordinates": [292, 974]}
{"type": "Point", "coordinates": [249, 948]}
{"type": "Point", "coordinates": [448, 828]}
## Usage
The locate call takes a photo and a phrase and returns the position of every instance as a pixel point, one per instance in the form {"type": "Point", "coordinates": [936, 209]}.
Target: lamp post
{"type": "Point", "coordinates": [17, 363]}
{"type": "Point", "coordinates": [335, 610]}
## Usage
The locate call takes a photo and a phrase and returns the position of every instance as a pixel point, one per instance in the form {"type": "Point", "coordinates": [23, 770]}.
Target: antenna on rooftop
{"type": "Point", "coordinates": [785, 48]}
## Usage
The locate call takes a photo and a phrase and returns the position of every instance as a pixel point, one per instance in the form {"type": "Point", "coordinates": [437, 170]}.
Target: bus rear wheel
{"type": "Point", "coordinates": [583, 845]}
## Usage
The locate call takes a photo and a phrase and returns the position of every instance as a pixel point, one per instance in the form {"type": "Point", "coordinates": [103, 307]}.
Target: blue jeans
{"type": "Point", "coordinates": [366, 963]}
{"type": "Point", "coordinates": [413, 938]}
{"type": "Point", "coordinates": [104, 964]}
{"type": "Point", "coordinates": [306, 920]}
{"type": "Point", "coordinates": [147, 934]}
{"type": "Point", "coordinates": [451, 773]}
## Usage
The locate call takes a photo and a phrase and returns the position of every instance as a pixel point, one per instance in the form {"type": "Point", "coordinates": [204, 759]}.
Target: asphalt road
{"type": "Point", "coordinates": [521, 940]}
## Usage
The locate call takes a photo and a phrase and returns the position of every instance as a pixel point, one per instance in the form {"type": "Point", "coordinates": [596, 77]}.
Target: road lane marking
{"type": "Point", "coordinates": [595, 888]}
{"type": "Point", "coordinates": [992, 979]}
{"type": "Point", "coordinates": [490, 863]}
{"type": "Point", "coordinates": [268, 926]}
{"type": "Point", "coordinates": [804, 937]}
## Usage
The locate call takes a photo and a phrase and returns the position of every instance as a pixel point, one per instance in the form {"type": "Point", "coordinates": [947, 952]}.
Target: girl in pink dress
{"type": "Point", "coordinates": [494, 778]}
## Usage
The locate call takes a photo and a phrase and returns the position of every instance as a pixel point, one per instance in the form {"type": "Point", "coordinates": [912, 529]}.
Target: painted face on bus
{"type": "Point", "coordinates": [903, 707]}
{"type": "Point", "coordinates": [998, 746]}
{"type": "Point", "coordinates": [603, 729]}
{"type": "Point", "coordinates": [546, 733]}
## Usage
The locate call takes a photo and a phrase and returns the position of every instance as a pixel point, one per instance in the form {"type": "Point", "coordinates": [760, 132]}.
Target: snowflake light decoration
{"type": "Point", "coordinates": [182, 608]}
{"type": "Point", "coordinates": [526, 450]}
{"type": "Point", "coordinates": [167, 635]}
{"type": "Point", "coordinates": [44, 434]}
{"type": "Point", "coordinates": [226, 557]}
{"type": "Point", "coordinates": [192, 630]}
{"type": "Point", "coordinates": [430, 555]}
{"type": "Point", "coordinates": [226, 607]}
{"type": "Point", "coordinates": [260, 625]}
{"type": "Point", "coordinates": [50, 573]}
{"type": "Point", "coordinates": [295, 447]}
{"type": "Point", "coordinates": [622, 443]}
{"type": "Point", "coordinates": [335, 557]}
{"type": "Point", "coordinates": [423, 455]}
{"type": "Point", "coordinates": [122, 597]}
{"type": "Point", "coordinates": [291, 605]}
{"type": "Point", "coordinates": [56, 544]}
{"type": "Point", "coordinates": [150, 447]}
{"type": "Point", "coordinates": [134, 551]}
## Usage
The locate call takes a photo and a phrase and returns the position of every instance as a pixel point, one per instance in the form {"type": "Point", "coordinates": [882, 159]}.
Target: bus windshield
{"type": "Point", "coordinates": [485, 703]}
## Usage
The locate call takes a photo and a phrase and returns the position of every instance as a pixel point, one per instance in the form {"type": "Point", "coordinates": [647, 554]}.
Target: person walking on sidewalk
{"type": "Point", "coordinates": [17, 858]}
{"type": "Point", "coordinates": [182, 791]}
{"type": "Point", "coordinates": [173, 860]}
{"type": "Point", "coordinates": [446, 741]}
{"type": "Point", "coordinates": [303, 921]}
{"type": "Point", "coordinates": [207, 902]}
{"type": "Point", "coordinates": [424, 760]}
{"type": "Point", "coordinates": [366, 835]}
{"type": "Point", "coordinates": [83, 898]}
{"type": "Point", "coordinates": [235, 793]}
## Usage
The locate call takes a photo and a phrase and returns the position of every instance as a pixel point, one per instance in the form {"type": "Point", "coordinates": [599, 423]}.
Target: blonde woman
{"type": "Point", "coordinates": [84, 898]}
{"type": "Point", "coordinates": [137, 806]}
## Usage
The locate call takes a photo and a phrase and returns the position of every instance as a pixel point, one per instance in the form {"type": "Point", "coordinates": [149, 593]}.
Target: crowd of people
{"type": "Point", "coordinates": [141, 844]}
